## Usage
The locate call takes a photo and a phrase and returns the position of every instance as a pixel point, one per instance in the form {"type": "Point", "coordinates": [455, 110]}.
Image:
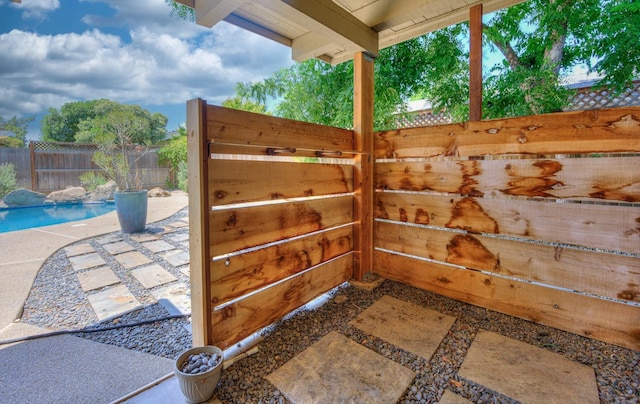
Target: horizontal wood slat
{"type": "Point", "coordinates": [601, 274]}
{"type": "Point", "coordinates": [595, 178]}
{"type": "Point", "coordinates": [605, 320]}
{"type": "Point", "coordinates": [246, 128]}
{"type": "Point", "coordinates": [241, 319]}
{"type": "Point", "coordinates": [234, 181]}
{"type": "Point", "coordinates": [248, 272]}
{"type": "Point", "coordinates": [246, 150]}
{"type": "Point", "coordinates": [615, 228]}
{"type": "Point", "coordinates": [239, 228]}
{"type": "Point", "coordinates": [597, 131]}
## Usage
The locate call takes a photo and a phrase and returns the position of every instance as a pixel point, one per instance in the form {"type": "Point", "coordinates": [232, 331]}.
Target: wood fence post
{"type": "Point", "coordinates": [363, 174]}
{"type": "Point", "coordinates": [199, 240]}
{"type": "Point", "coordinates": [32, 157]}
{"type": "Point", "coordinates": [475, 63]}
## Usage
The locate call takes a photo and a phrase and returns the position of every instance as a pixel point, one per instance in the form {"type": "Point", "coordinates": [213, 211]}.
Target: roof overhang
{"type": "Point", "coordinates": [334, 30]}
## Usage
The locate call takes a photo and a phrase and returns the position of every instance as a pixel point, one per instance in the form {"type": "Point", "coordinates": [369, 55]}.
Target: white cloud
{"type": "Point", "coordinates": [36, 9]}
{"type": "Point", "coordinates": [162, 61]}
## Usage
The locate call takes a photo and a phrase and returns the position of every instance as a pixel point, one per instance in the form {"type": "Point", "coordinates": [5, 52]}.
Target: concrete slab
{"type": "Point", "coordinates": [338, 370]}
{"type": "Point", "coordinates": [79, 249]}
{"type": "Point", "coordinates": [176, 299]}
{"type": "Point", "coordinates": [118, 247]}
{"type": "Point", "coordinates": [97, 278]}
{"type": "Point", "coordinates": [186, 270]}
{"type": "Point", "coordinates": [80, 262]}
{"type": "Point", "coordinates": [449, 397]}
{"type": "Point", "coordinates": [176, 258]}
{"type": "Point", "coordinates": [165, 392]}
{"type": "Point", "coordinates": [527, 373]}
{"type": "Point", "coordinates": [69, 369]}
{"type": "Point", "coordinates": [132, 259]}
{"type": "Point", "coordinates": [405, 325]}
{"type": "Point", "coordinates": [179, 223]}
{"type": "Point", "coordinates": [152, 276]}
{"type": "Point", "coordinates": [158, 246]}
{"type": "Point", "coordinates": [113, 302]}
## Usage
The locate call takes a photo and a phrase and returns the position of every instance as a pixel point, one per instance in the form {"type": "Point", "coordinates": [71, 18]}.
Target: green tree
{"type": "Point", "coordinates": [174, 153]}
{"type": "Point", "coordinates": [244, 104]}
{"type": "Point", "coordinates": [80, 121]}
{"type": "Point", "coordinates": [14, 131]}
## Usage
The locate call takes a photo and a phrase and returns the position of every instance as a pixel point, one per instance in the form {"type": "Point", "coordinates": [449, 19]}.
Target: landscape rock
{"type": "Point", "coordinates": [71, 194]}
{"type": "Point", "coordinates": [3, 205]}
{"type": "Point", "coordinates": [104, 192]}
{"type": "Point", "coordinates": [158, 192]}
{"type": "Point", "coordinates": [24, 197]}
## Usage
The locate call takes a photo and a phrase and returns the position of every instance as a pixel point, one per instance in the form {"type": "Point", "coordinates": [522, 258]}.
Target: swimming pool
{"type": "Point", "coordinates": [12, 219]}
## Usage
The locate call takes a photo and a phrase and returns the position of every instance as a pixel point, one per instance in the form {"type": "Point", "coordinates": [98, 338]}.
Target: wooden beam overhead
{"type": "Point", "coordinates": [309, 46]}
{"type": "Point", "coordinates": [258, 29]}
{"type": "Point", "coordinates": [211, 12]}
{"type": "Point", "coordinates": [340, 21]}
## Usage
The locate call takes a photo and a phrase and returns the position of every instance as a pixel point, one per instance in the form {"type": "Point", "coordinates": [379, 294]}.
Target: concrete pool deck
{"type": "Point", "coordinates": [23, 252]}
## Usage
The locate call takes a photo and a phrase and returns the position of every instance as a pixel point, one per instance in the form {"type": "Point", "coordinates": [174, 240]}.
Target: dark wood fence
{"type": "Point", "coordinates": [21, 161]}
{"type": "Point", "coordinates": [55, 166]}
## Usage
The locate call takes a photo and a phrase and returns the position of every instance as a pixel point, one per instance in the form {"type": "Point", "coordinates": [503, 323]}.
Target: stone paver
{"type": "Point", "coordinates": [405, 325]}
{"type": "Point", "coordinates": [527, 373]}
{"type": "Point", "coordinates": [178, 237]}
{"type": "Point", "coordinates": [141, 238]}
{"type": "Point", "coordinates": [449, 397]}
{"type": "Point", "coordinates": [113, 302]}
{"type": "Point", "coordinates": [80, 262]}
{"type": "Point", "coordinates": [158, 246]}
{"type": "Point", "coordinates": [118, 247]}
{"type": "Point", "coordinates": [111, 238]}
{"type": "Point", "coordinates": [152, 276]}
{"type": "Point", "coordinates": [132, 259]}
{"type": "Point", "coordinates": [186, 270]}
{"type": "Point", "coordinates": [176, 258]}
{"type": "Point", "coordinates": [97, 278]}
{"type": "Point", "coordinates": [337, 369]}
{"type": "Point", "coordinates": [176, 299]}
{"type": "Point", "coordinates": [179, 224]}
{"type": "Point", "coordinates": [79, 249]}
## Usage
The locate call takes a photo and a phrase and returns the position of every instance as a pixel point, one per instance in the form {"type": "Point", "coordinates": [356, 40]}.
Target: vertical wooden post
{"type": "Point", "coordinates": [363, 176]}
{"type": "Point", "coordinates": [475, 63]}
{"type": "Point", "coordinates": [198, 156]}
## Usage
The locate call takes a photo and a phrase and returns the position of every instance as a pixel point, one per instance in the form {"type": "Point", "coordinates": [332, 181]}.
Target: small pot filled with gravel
{"type": "Point", "coordinates": [198, 371]}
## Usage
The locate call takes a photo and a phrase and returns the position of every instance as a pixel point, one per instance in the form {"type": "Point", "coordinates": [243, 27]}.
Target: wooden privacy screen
{"type": "Point", "coordinates": [536, 217]}
{"type": "Point", "coordinates": [272, 225]}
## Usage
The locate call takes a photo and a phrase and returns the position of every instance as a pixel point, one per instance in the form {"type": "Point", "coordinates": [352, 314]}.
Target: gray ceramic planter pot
{"type": "Point", "coordinates": [198, 387]}
{"type": "Point", "coordinates": [132, 210]}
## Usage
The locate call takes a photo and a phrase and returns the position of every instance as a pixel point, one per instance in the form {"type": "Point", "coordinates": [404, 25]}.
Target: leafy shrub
{"type": "Point", "coordinates": [91, 180]}
{"type": "Point", "coordinates": [174, 153]}
{"type": "Point", "coordinates": [183, 175]}
{"type": "Point", "coordinates": [7, 179]}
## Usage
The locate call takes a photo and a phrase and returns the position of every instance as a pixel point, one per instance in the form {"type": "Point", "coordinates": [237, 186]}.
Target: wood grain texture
{"type": "Point", "coordinates": [235, 181]}
{"type": "Point", "coordinates": [608, 321]}
{"type": "Point", "coordinates": [241, 319]}
{"type": "Point", "coordinates": [199, 240]}
{"type": "Point", "coordinates": [594, 131]}
{"type": "Point", "coordinates": [246, 128]}
{"type": "Point", "coordinates": [592, 272]}
{"type": "Point", "coordinates": [239, 228]}
{"type": "Point", "coordinates": [248, 272]}
{"type": "Point", "coordinates": [615, 228]}
{"type": "Point", "coordinates": [597, 178]}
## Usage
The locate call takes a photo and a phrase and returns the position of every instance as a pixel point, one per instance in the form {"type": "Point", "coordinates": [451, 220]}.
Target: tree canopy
{"type": "Point", "coordinates": [82, 121]}
{"type": "Point", "coordinates": [540, 41]}
{"type": "Point", "coordinates": [14, 131]}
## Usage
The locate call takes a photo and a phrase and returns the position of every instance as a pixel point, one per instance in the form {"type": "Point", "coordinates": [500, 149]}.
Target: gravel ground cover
{"type": "Point", "coordinates": [58, 302]}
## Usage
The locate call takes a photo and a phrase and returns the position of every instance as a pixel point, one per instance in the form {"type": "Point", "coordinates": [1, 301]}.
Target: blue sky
{"type": "Point", "coordinates": [129, 51]}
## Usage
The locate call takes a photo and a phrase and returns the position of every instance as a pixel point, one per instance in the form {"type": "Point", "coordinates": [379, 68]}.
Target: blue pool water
{"type": "Point", "coordinates": [36, 216]}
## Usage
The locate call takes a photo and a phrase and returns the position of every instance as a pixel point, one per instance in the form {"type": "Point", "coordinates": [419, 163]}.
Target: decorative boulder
{"type": "Point", "coordinates": [24, 197]}
{"type": "Point", "coordinates": [158, 192]}
{"type": "Point", "coordinates": [71, 194]}
{"type": "Point", "coordinates": [104, 192]}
